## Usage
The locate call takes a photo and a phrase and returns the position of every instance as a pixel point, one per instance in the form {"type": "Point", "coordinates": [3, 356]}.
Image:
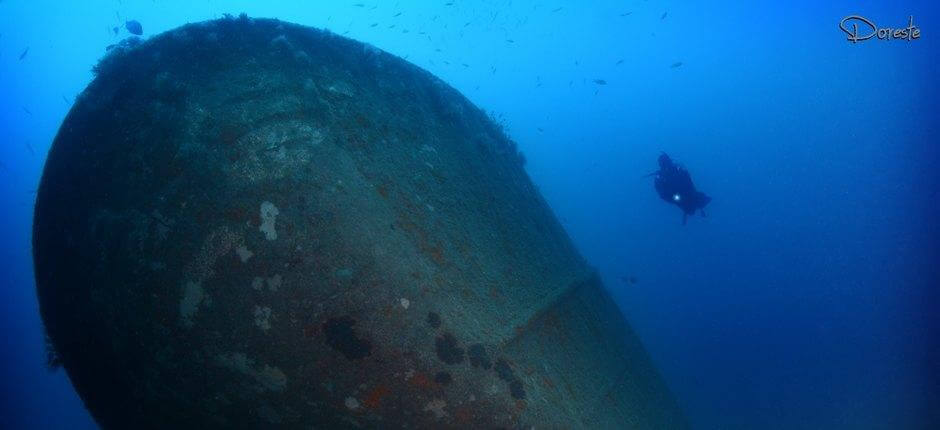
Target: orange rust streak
{"type": "Point", "coordinates": [374, 397]}
{"type": "Point", "coordinates": [421, 381]}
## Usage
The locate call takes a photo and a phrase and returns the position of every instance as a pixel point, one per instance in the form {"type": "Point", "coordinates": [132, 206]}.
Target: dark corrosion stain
{"type": "Point", "coordinates": [434, 320]}
{"type": "Point", "coordinates": [477, 355]}
{"type": "Point", "coordinates": [443, 378]}
{"type": "Point", "coordinates": [341, 337]}
{"type": "Point", "coordinates": [504, 371]}
{"type": "Point", "coordinates": [516, 390]}
{"type": "Point", "coordinates": [447, 349]}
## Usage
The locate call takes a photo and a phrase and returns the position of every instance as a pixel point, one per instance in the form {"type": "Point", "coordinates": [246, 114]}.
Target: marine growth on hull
{"type": "Point", "coordinates": [247, 223]}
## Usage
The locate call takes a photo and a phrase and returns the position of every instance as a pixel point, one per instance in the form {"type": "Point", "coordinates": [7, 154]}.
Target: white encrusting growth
{"type": "Point", "coordinates": [243, 253]}
{"type": "Point", "coordinates": [274, 282]}
{"type": "Point", "coordinates": [263, 317]}
{"type": "Point", "coordinates": [436, 406]}
{"type": "Point", "coordinates": [268, 378]}
{"type": "Point", "coordinates": [192, 296]}
{"type": "Point", "coordinates": [269, 215]}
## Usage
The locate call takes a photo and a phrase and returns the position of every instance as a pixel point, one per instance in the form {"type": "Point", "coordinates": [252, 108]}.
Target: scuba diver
{"type": "Point", "coordinates": [674, 185]}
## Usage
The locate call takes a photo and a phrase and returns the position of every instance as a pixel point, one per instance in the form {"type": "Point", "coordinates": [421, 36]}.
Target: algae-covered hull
{"type": "Point", "coordinates": [253, 224]}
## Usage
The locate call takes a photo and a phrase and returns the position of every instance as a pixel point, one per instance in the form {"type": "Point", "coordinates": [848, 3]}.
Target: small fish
{"type": "Point", "coordinates": [626, 13]}
{"type": "Point", "coordinates": [359, 5]}
{"type": "Point", "coordinates": [465, 64]}
{"type": "Point", "coordinates": [466, 24]}
{"type": "Point", "coordinates": [556, 9]}
{"type": "Point", "coordinates": [66, 100]}
{"type": "Point", "coordinates": [540, 129]}
{"type": "Point", "coordinates": [619, 62]}
{"type": "Point", "coordinates": [30, 149]}
{"type": "Point", "coordinates": [134, 27]}
{"type": "Point", "coordinates": [664, 16]}
{"type": "Point", "coordinates": [391, 26]}
{"type": "Point", "coordinates": [628, 280]}
{"type": "Point", "coordinates": [23, 55]}
{"type": "Point", "coordinates": [510, 41]}
{"type": "Point", "coordinates": [675, 65]}
{"type": "Point", "coordinates": [374, 24]}
{"type": "Point", "coordinates": [396, 15]}
{"type": "Point", "coordinates": [116, 29]}
{"type": "Point", "coordinates": [600, 82]}
{"type": "Point", "coordinates": [449, 4]}
{"type": "Point", "coordinates": [27, 111]}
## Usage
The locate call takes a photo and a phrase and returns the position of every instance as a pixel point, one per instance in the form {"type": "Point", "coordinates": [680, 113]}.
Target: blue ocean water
{"type": "Point", "coordinates": [806, 299]}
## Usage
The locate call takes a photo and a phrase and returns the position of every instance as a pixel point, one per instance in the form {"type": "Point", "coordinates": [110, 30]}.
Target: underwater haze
{"type": "Point", "coordinates": [806, 299]}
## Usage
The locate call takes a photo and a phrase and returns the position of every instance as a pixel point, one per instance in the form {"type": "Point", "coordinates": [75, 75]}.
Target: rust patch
{"type": "Point", "coordinates": [311, 330]}
{"type": "Point", "coordinates": [235, 214]}
{"type": "Point", "coordinates": [421, 380]}
{"type": "Point", "coordinates": [362, 121]}
{"type": "Point", "coordinates": [436, 253]}
{"type": "Point", "coordinates": [375, 396]}
{"type": "Point", "coordinates": [547, 382]}
{"type": "Point", "coordinates": [463, 248]}
{"type": "Point", "coordinates": [463, 415]}
{"type": "Point", "coordinates": [438, 279]}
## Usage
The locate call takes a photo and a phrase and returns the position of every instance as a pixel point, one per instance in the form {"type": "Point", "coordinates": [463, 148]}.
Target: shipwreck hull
{"type": "Point", "coordinates": [253, 224]}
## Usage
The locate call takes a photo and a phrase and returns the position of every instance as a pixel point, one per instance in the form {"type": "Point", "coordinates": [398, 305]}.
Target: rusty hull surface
{"type": "Point", "coordinates": [247, 223]}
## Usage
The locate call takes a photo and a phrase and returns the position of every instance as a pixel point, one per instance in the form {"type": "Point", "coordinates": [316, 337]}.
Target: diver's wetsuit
{"type": "Point", "coordinates": [674, 185]}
